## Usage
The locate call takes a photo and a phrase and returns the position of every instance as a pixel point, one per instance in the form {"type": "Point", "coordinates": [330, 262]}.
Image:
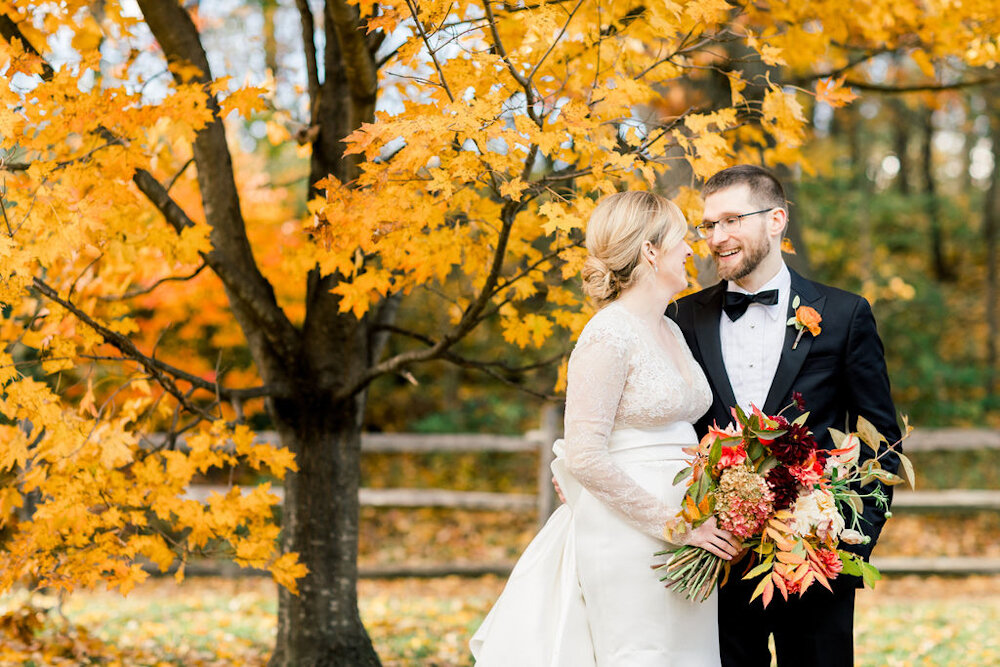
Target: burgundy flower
{"type": "Point", "coordinates": [799, 400]}
{"type": "Point", "coordinates": [783, 485]}
{"type": "Point", "coordinates": [795, 446]}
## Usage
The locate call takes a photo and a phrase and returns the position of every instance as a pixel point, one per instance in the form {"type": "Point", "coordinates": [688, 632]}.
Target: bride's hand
{"type": "Point", "coordinates": [714, 540]}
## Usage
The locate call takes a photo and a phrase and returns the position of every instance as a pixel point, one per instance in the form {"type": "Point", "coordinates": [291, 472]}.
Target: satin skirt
{"type": "Point", "coordinates": [584, 591]}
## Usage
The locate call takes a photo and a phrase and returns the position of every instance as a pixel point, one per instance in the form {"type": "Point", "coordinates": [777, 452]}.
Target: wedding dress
{"type": "Point", "coordinates": [584, 592]}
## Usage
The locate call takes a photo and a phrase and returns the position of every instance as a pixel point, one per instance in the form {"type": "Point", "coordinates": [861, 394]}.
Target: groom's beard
{"type": "Point", "coordinates": [754, 251]}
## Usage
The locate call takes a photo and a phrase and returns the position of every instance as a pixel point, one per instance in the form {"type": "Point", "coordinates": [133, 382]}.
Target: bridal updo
{"type": "Point", "coordinates": [615, 233]}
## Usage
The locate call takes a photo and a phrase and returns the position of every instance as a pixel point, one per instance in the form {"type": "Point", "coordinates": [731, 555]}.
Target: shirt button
{"type": "Point", "coordinates": [751, 365]}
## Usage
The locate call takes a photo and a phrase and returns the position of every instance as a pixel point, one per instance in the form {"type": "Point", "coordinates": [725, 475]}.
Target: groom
{"type": "Point", "coordinates": [738, 332]}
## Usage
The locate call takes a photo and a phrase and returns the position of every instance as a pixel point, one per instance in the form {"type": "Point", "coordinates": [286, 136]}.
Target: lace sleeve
{"type": "Point", "coordinates": [596, 377]}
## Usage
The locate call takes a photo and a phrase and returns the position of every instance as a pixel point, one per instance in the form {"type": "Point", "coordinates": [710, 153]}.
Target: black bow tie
{"type": "Point", "coordinates": [737, 302]}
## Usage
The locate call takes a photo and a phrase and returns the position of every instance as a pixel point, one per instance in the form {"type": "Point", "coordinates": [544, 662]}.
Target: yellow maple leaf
{"type": "Point", "coordinates": [88, 35]}
{"type": "Point", "coordinates": [153, 547]}
{"type": "Point", "coordinates": [387, 20]}
{"type": "Point", "coordinates": [244, 101]}
{"type": "Point", "coordinates": [530, 328]}
{"type": "Point", "coordinates": [287, 570]}
{"type": "Point", "coordinates": [710, 153]}
{"type": "Point", "coordinates": [513, 188]}
{"type": "Point", "coordinates": [115, 447]}
{"type": "Point", "coordinates": [783, 117]}
{"type": "Point", "coordinates": [707, 11]}
{"type": "Point", "coordinates": [924, 62]}
{"type": "Point", "coordinates": [833, 92]}
{"type": "Point", "coordinates": [559, 219]}
{"type": "Point", "coordinates": [771, 55]}
{"type": "Point", "coordinates": [736, 86]}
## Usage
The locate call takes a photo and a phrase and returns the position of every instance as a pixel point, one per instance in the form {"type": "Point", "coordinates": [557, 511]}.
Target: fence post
{"type": "Point", "coordinates": [551, 429]}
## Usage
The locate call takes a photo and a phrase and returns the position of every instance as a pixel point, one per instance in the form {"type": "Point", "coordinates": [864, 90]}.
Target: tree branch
{"type": "Point", "coordinates": [162, 372]}
{"type": "Point", "coordinates": [467, 323]}
{"type": "Point", "coordinates": [430, 50]}
{"type": "Point", "coordinates": [494, 369]}
{"type": "Point", "coordinates": [358, 60]}
{"type": "Point", "coordinates": [161, 199]}
{"type": "Point", "coordinates": [534, 265]}
{"type": "Point", "coordinates": [176, 33]}
{"type": "Point", "coordinates": [488, 370]}
{"type": "Point", "coordinates": [529, 92]}
{"type": "Point", "coordinates": [6, 219]}
{"type": "Point", "coordinates": [273, 339]}
{"type": "Point", "coordinates": [851, 64]}
{"type": "Point", "coordinates": [146, 290]}
{"type": "Point", "coordinates": [922, 88]}
{"type": "Point", "coordinates": [123, 344]}
{"type": "Point", "coordinates": [309, 46]}
{"type": "Point", "coordinates": [10, 31]}
{"type": "Point", "coordinates": [179, 173]}
{"type": "Point", "coordinates": [572, 13]}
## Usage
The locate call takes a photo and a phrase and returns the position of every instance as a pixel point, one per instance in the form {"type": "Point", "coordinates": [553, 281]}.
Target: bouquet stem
{"type": "Point", "coordinates": [690, 570]}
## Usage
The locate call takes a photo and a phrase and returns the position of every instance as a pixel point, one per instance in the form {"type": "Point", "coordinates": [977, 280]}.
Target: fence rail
{"type": "Point", "coordinates": [922, 440]}
{"type": "Point", "coordinates": [543, 500]}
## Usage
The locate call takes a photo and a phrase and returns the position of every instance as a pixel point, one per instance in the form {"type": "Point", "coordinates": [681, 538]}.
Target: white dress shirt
{"type": "Point", "coordinates": [751, 346]}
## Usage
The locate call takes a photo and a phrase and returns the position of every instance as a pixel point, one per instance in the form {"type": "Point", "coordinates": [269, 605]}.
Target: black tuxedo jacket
{"type": "Point", "coordinates": [840, 373]}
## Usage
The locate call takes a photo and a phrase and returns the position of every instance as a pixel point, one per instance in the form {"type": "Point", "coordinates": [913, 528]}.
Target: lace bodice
{"type": "Point", "coordinates": [620, 376]}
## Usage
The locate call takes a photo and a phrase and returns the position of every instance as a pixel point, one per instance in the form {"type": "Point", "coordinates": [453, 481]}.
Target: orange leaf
{"type": "Point", "coordinates": [780, 526]}
{"type": "Point", "coordinates": [789, 557]}
{"type": "Point", "coordinates": [821, 578]}
{"type": "Point", "coordinates": [833, 92]}
{"type": "Point", "coordinates": [768, 592]}
{"type": "Point", "coordinates": [780, 583]}
{"type": "Point", "coordinates": [780, 540]}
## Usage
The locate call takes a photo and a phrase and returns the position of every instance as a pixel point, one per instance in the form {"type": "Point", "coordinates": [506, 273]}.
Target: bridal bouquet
{"type": "Point", "coordinates": [767, 481]}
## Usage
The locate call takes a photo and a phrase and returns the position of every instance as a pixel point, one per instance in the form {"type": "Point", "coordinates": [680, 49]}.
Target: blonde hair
{"type": "Point", "coordinates": [616, 231]}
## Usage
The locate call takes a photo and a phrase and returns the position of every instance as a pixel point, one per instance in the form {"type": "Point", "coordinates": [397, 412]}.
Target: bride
{"type": "Point", "coordinates": [584, 591]}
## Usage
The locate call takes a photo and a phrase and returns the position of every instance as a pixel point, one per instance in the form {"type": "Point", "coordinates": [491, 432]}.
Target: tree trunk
{"type": "Point", "coordinates": [310, 365]}
{"type": "Point", "coordinates": [321, 625]}
{"type": "Point", "coordinates": [901, 143]}
{"type": "Point", "coordinates": [938, 262]}
{"type": "Point", "coordinates": [991, 213]}
{"type": "Point", "coordinates": [861, 190]}
{"type": "Point", "coordinates": [268, 9]}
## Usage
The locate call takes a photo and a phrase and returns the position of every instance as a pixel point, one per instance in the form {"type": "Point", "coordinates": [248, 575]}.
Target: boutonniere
{"type": "Point", "coordinates": [806, 319]}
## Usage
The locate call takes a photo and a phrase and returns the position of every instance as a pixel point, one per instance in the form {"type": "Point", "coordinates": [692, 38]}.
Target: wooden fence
{"type": "Point", "coordinates": [543, 501]}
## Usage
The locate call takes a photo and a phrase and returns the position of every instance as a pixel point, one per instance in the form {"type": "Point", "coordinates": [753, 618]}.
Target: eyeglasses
{"type": "Point", "coordinates": [729, 224]}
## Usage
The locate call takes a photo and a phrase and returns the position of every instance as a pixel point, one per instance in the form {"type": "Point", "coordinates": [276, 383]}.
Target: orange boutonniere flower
{"type": "Point", "coordinates": [806, 319]}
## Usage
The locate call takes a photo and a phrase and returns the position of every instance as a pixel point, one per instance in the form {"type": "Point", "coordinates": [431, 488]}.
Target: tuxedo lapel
{"type": "Point", "coordinates": [791, 360]}
{"type": "Point", "coordinates": [706, 326]}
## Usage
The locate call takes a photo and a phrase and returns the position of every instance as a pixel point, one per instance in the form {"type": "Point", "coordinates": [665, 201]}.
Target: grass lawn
{"type": "Point", "coordinates": [906, 621]}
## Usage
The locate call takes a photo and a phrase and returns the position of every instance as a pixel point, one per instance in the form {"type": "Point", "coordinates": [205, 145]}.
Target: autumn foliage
{"type": "Point", "coordinates": [141, 296]}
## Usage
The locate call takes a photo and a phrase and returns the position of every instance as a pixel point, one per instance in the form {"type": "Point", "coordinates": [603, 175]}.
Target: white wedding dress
{"type": "Point", "coordinates": [584, 592]}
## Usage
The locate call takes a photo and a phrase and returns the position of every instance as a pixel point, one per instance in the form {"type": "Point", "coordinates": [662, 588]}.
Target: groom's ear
{"type": "Point", "coordinates": [777, 222]}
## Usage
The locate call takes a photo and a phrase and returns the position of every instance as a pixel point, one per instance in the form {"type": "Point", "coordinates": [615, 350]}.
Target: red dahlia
{"type": "Point", "coordinates": [783, 485]}
{"type": "Point", "coordinates": [795, 446]}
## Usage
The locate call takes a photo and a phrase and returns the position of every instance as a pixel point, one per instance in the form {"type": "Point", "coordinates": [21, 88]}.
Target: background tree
{"type": "Point", "coordinates": [502, 125]}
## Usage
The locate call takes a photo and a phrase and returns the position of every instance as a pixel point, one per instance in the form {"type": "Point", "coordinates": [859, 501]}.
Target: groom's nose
{"type": "Point", "coordinates": [718, 235]}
